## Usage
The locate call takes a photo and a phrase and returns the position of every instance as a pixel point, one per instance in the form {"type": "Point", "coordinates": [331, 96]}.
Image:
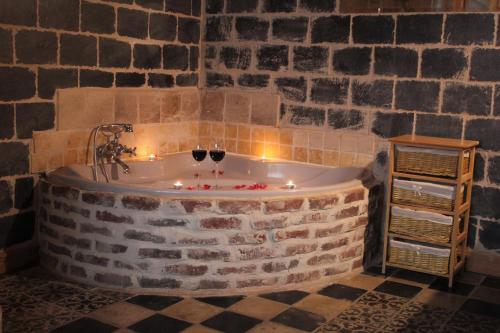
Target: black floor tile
{"type": "Point", "coordinates": [85, 325]}
{"type": "Point", "coordinates": [288, 297]}
{"type": "Point", "coordinates": [377, 271]}
{"type": "Point", "coordinates": [299, 319]}
{"type": "Point", "coordinates": [231, 322]}
{"type": "Point", "coordinates": [154, 302]}
{"type": "Point", "coordinates": [160, 324]}
{"type": "Point", "coordinates": [223, 301]}
{"type": "Point", "coordinates": [340, 291]}
{"type": "Point", "coordinates": [398, 289]}
{"type": "Point", "coordinates": [482, 308]}
{"type": "Point", "coordinates": [459, 288]}
{"type": "Point", "coordinates": [414, 276]}
{"type": "Point", "coordinates": [491, 282]}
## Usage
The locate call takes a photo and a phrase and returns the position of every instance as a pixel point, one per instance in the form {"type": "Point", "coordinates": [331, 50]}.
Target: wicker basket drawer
{"type": "Point", "coordinates": [424, 225]}
{"type": "Point", "coordinates": [430, 195]}
{"type": "Point", "coordinates": [429, 258]}
{"type": "Point", "coordinates": [435, 162]}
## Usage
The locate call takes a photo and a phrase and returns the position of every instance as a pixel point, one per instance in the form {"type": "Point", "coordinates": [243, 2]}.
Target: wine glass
{"type": "Point", "coordinates": [217, 154]}
{"type": "Point", "coordinates": [199, 155]}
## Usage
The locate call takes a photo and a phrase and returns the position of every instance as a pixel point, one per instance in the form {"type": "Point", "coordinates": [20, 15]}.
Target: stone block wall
{"type": "Point", "coordinates": [369, 76]}
{"type": "Point", "coordinates": [47, 45]}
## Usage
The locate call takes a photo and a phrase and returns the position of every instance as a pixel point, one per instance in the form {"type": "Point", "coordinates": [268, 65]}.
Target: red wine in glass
{"type": "Point", "coordinates": [199, 155]}
{"type": "Point", "coordinates": [217, 154]}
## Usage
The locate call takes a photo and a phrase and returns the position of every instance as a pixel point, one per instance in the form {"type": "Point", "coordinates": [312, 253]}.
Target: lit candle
{"type": "Point", "coordinates": [152, 157]}
{"type": "Point", "coordinates": [178, 185]}
{"type": "Point", "coordinates": [263, 158]}
{"type": "Point", "coordinates": [290, 185]}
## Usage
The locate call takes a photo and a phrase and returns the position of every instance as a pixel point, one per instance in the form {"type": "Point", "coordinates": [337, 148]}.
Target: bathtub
{"type": "Point", "coordinates": [139, 232]}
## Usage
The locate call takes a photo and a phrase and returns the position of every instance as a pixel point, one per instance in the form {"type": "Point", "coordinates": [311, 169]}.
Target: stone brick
{"type": "Point", "coordinates": [315, 217]}
{"type": "Point", "coordinates": [496, 102]}
{"type": "Point", "coordinates": [214, 6]}
{"type": "Point", "coordinates": [488, 234]}
{"type": "Point", "coordinates": [114, 53]}
{"type": "Point", "coordinates": [59, 14]}
{"type": "Point", "coordinates": [99, 199]}
{"type": "Point", "coordinates": [253, 81]}
{"type": "Point", "coordinates": [479, 167]}
{"type": "Point", "coordinates": [327, 232]}
{"type": "Point", "coordinates": [331, 29]}
{"type": "Point", "coordinates": [387, 125]}
{"type": "Point", "coordinates": [373, 29]}
{"type": "Point", "coordinates": [143, 236]}
{"type": "Point", "coordinates": [239, 206]}
{"type": "Point", "coordinates": [160, 80]}
{"type": "Point", "coordinates": [485, 131]}
{"type": "Point", "coordinates": [188, 30]}
{"type": "Point", "coordinates": [140, 203]}
{"type": "Point", "coordinates": [279, 6]}
{"type": "Point", "coordinates": [272, 57]}
{"type": "Point", "coordinates": [218, 28]}
{"type": "Point", "coordinates": [33, 117]}
{"type": "Point", "coordinates": [113, 279]}
{"type": "Point", "coordinates": [122, 265]}
{"type": "Point", "coordinates": [59, 250]}
{"type": "Point", "coordinates": [361, 221]}
{"type": "Point", "coordinates": [467, 29]}
{"type": "Point", "coordinates": [347, 212]}
{"type": "Point", "coordinates": [87, 228]}
{"type": "Point", "coordinates": [337, 269]}
{"type": "Point", "coordinates": [329, 91]}
{"type": "Point", "coordinates": [220, 223]}
{"type": "Point", "coordinates": [419, 29]}
{"type": "Point", "coordinates": [290, 29]}
{"type": "Point", "coordinates": [279, 266]}
{"type": "Point", "coordinates": [212, 284]}
{"type": "Point", "coordinates": [353, 196]}
{"type": "Point", "coordinates": [323, 259]}
{"type": "Point", "coordinates": [196, 8]}
{"type": "Point", "coordinates": [335, 244]}
{"type": "Point", "coordinates": [80, 243]}
{"type": "Point", "coordinates": [6, 49]}
{"type": "Point", "coordinates": [6, 202]}
{"type": "Point", "coordinates": [252, 253]}
{"type": "Point", "coordinates": [396, 61]}
{"type": "Point", "coordinates": [417, 96]}
{"type": "Point", "coordinates": [66, 192]}
{"type": "Point", "coordinates": [190, 270]}
{"type": "Point", "coordinates": [71, 209]}
{"type": "Point", "coordinates": [310, 59]}
{"type": "Point", "coordinates": [203, 254]}
{"type": "Point", "coordinates": [268, 224]}
{"type": "Point", "coordinates": [162, 27]}
{"type": "Point", "coordinates": [95, 78]}
{"type": "Point", "coordinates": [147, 56]}
{"type": "Point", "coordinates": [304, 116]}
{"type": "Point", "coordinates": [249, 269]}
{"type": "Point", "coordinates": [78, 271]}
{"type": "Point", "coordinates": [55, 78]}
{"type": "Point", "coordinates": [294, 89]}
{"type": "Point", "coordinates": [300, 249]}
{"type": "Point", "coordinates": [178, 6]}
{"type": "Point", "coordinates": [159, 254]}
{"type": "Point", "coordinates": [215, 80]}
{"type": "Point", "coordinates": [97, 18]}
{"type": "Point", "coordinates": [485, 65]}
{"type": "Point", "coordinates": [110, 217]}
{"type": "Point", "coordinates": [132, 23]}
{"type": "Point", "coordinates": [325, 202]}
{"type": "Point", "coordinates": [443, 63]}
{"type": "Point", "coordinates": [467, 99]}
{"type": "Point", "coordinates": [19, 12]}
{"type": "Point", "coordinates": [130, 79]}
{"type": "Point", "coordinates": [110, 248]}
{"type": "Point", "coordinates": [282, 206]}
{"type": "Point", "coordinates": [78, 50]}
{"type": "Point", "coordinates": [192, 206]}
{"type": "Point", "coordinates": [36, 47]}
{"type": "Point", "coordinates": [91, 259]}
{"type": "Point", "coordinates": [351, 253]}
{"type": "Point", "coordinates": [318, 5]}
{"type": "Point", "coordinates": [198, 241]}
{"type": "Point", "coordinates": [175, 57]}
{"type": "Point", "coordinates": [346, 119]}
{"type": "Point", "coordinates": [194, 55]}
{"type": "Point", "coordinates": [352, 60]}
{"type": "Point", "coordinates": [15, 159]}
{"type": "Point", "coordinates": [256, 282]}
{"type": "Point", "coordinates": [186, 80]}
{"type": "Point", "coordinates": [236, 58]}
{"type": "Point", "coordinates": [62, 221]}
{"type": "Point", "coordinates": [16, 228]}
{"type": "Point", "coordinates": [376, 93]}
{"type": "Point", "coordinates": [281, 235]}
{"type": "Point", "coordinates": [237, 6]}
{"type": "Point", "coordinates": [159, 283]}
{"type": "Point", "coordinates": [21, 83]}
{"type": "Point", "coordinates": [494, 170]}
{"type": "Point", "coordinates": [152, 4]}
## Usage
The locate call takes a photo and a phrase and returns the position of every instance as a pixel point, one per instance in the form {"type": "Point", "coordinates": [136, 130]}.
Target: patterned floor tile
{"type": "Point", "coordinates": [418, 317]}
{"type": "Point", "coordinates": [55, 291]}
{"type": "Point", "coordinates": [259, 308]}
{"type": "Point", "coordinates": [491, 282]}
{"type": "Point", "coordinates": [85, 302]}
{"type": "Point", "coordinates": [300, 319]}
{"type": "Point", "coordinates": [383, 302]}
{"type": "Point", "coordinates": [440, 299]}
{"type": "Point", "coordinates": [269, 326]}
{"type": "Point", "coordinates": [191, 310]}
{"type": "Point", "coordinates": [121, 314]}
{"type": "Point", "coordinates": [223, 302]}
{"type": "Point", "coordinates": [154, 302]}
{"type": "Point", "coordinates": [114, 294]}
{"type": "Point", "coordinates": [85, 325]}
{"type": "Point", "coordinates": [459, 288]}
{"type": "Point", "coordinates": [17, 304]}
{"type": "Point", "coordinates": [398, 289]}
{"type": "Point", "coordinates": [231, 322]}
{"type": "Point", "coordinates": [482, 308]}
{"type": "Point", "coordinates": [159, 323]}
{"type": "Point", "coordinates": [288, 297]}
{"type": "Point", "coordinates": [21, 284]}
{"type": "Point", "coordinates": [325, 306]}
{"type": "Point", "coordinates": [365, 316]}
{"type": "Point", "coordinates": [338, 326]}
{"type": "Point", "coordinates": [467, 322]}
{"type": "Point", "coordinates": [340, 291]}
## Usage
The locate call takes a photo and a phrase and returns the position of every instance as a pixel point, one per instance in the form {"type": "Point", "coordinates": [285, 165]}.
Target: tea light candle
{"type": "Point", "coordinates": [178, 185]}
{"type": "Point", "coordinates": [290, 185]}
{"type": "Point", "coordinates": [152, 157]}
{"type": "Point", "coordinates": [263, 157]}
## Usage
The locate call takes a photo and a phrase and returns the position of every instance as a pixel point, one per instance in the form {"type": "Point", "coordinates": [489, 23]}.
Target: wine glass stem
{"type": "Point", "coordinates": [198, 175]}
{"type": "Point", "coordinates": [216, 175]}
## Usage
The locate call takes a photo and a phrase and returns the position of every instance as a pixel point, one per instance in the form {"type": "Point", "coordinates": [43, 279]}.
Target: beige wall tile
{"type": "Point", "coordinates": [237, 108]}
{"type": "Point", "coordinates": [349, 143]}
{"type": "Point", "coordinates": [316, 140]}
{"type": "Point", "coordinates": [300, 138]}
{"type": "Point", "coordinates": [100, 107]}
{"type": "Point", "coordinates": [213, 106]}
{"type": "Point", "coordinates": [126, 107]}
{"type": "Point", "coordinates": [286, 152]}
{"type": "Point", "coordinates": [244, 132]}
{"type": "Point", "coordinates": [231, 131]}
{"type": "Point", "coordinates": [332, 141]}
{"type": "Point", "coordinates": [190, 105]}
{"type": "Point", "coordinates": [71, 105]}
{"type": "Point", "coordinates": [331, 158]}
{"type": "Point", "coordinates": [258, 134]}
{"type": "Point", "coordinates": [300, 154]}
{"type": "Point", "coordinates": [244, 147]}
{"type": "Point", "coordinates": [315, 156]}
{"type": "Point", "coordinates": [286, 136]}
{"type": "Point", "coordinates": [265, 109]}
{"type": "Point", "coordinates": [150, 107]}
{"type": "Point", "coordinates": [170, 107]}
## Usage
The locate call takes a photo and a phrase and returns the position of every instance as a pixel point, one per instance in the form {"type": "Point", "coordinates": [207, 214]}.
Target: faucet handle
{"type": "Point", "coordinates": [131, 151]}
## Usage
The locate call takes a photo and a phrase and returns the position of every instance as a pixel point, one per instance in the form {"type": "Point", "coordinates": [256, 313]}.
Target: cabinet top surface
{"type": "Point", "coordinates": [433, 141]}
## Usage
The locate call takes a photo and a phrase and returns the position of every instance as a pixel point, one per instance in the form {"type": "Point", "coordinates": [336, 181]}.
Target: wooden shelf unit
{"type": "Point", "coordinates": [458, 239]}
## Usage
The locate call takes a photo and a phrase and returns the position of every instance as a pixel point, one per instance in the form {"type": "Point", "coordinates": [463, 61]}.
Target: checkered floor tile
{"type": "Point", "coordinates": [403, 301]}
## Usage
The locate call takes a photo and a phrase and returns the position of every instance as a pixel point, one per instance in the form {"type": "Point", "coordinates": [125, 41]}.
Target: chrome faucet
{"type": "Point", "coordinates": [111, 150]}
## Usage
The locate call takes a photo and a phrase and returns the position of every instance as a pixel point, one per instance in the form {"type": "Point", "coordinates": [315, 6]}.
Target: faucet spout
{"type": "Point", "coordinates": [124, 166]}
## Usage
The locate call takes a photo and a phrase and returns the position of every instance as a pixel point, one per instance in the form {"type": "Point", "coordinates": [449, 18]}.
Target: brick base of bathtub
{"type": "Point", "coordinates": [201, 246]}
